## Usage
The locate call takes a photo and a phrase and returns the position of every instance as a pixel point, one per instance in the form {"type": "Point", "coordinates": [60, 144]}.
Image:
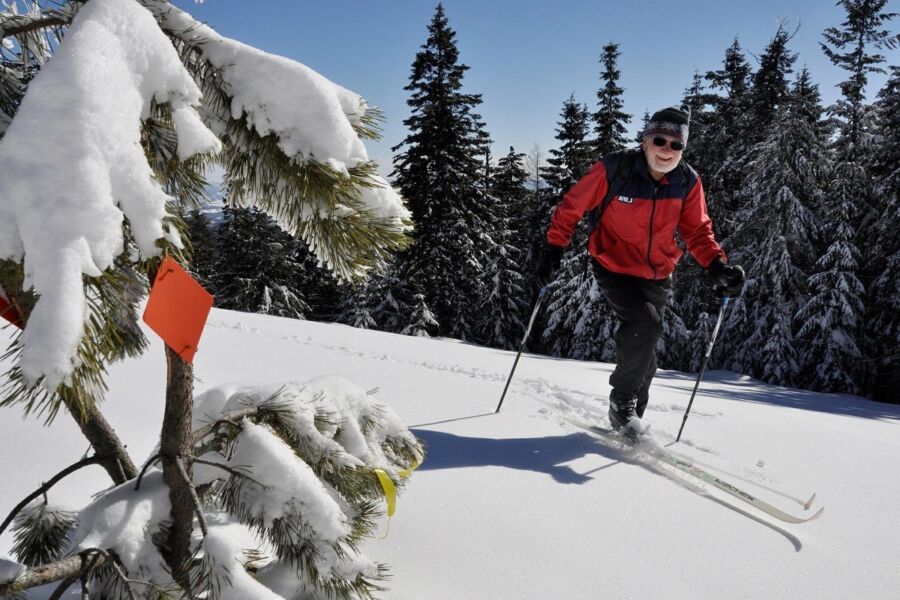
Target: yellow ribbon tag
{"type": "Point", "coordinates": [390, 492]}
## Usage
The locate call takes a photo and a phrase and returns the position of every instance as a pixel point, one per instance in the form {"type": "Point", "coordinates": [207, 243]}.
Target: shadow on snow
{"type": "Point", "coordinates": [543, 455]}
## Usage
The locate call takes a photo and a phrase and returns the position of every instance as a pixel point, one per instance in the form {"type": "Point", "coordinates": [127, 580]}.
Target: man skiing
{"type": "Point", "coordinates": [643, 197]}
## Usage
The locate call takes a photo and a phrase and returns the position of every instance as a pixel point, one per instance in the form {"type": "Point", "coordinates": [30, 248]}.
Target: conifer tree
{"type": "Point", "coordinates": [696, 99]}
{"type": "Point", "coordinates": [502, 311]}
{"type": "Point", "coordinates": [421, 321]}
{"type": "Point", "coordinates": [320, 289]}
{"type": "Point", "coordinates": [257, 269]}
{"type": "Point", "coordinates": [571, 286]}
{"type": "Point", "coordinates": [849, 48]}
{"type": "Point", "coordinates": [356, 309]}
{"type": "Point", "coordinates": [203, 249]}
{"type": "Point", "coordinates": [609, 119]}
{"type": "Point", "coordinates": [440, 173]}
{"type": "Point", "coordinates": [572, 298]}
{"type": "Point", "coordinates": [725, 134]}
{"type": "Point", "coordinates": [574, 157]}
{"type": "Point", "coordinates": [830, 320]}
{"type": "Point", "coordinates": [883, 322]}
{"type": "Point", "coordinates": [673, 347]}
{"type": "Point", "coordinates": [699, 341]}
{"type": "Point", "coordinates": [686, 285]}
{"type": "Point", "coordinates": [639, 136]}
{"type": "Point", "coordinates": [853, 47]}
{"type": "Point", "coordinates": [770, 88]}
{"type": "Point", "coordinates": [777, 235]}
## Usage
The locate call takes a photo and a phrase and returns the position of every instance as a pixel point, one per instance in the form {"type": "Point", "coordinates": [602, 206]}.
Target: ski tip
{"type": "Point", "coordinates": [809, 502]}
{"type": "Point", "coordinates": [817, 515]}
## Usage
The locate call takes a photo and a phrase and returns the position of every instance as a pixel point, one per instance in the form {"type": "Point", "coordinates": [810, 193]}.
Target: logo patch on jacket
{"type": "Point", "coordinates": [626, 199]}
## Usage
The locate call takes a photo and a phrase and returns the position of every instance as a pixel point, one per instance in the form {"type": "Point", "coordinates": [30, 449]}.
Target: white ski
{"type": "Point", "coordinates": [666, 457]}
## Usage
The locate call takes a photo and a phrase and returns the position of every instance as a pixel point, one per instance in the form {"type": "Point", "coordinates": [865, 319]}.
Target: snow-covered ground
{"type": "Point", "coordinates": [524, 505]}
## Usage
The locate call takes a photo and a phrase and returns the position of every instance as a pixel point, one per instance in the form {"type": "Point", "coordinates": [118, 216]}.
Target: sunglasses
{"type": "Point", "coordinates": [674, 145]}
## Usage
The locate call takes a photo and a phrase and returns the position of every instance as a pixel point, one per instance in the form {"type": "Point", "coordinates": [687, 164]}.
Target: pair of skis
{"type": "Point", "coordinates": [685, 465]}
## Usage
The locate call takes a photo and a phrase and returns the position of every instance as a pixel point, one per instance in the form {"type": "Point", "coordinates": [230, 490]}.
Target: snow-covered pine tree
{"type": "Point", "coordinates": [883, 321]}
{"type": "Point", "coordinates": [573, 281]}
{"type": "Point", "coordinates": [850, 48]}
{"type": "Point", "coordinates": [673, 347]}
{"type": "Point", "coordinates": [321, 290]}
{"type": "Point", "coordinates": [389, 294]}
{"type": "Point", "coordinates": [535, 215]}
{"type": "Point", "coordinates": [852, 207]}
{"type": "Point", "coordinates": [355, 309]}
{"type": "Point", "coordinates": [770, 87]}
{"type": "Point", "coordinates": [639, 136]}
{"type": "Point", "coordinates": [421, 320]}
{"type": "Point", "coordinates": [831, 319]}
{"type": "Point", "coordinates": [609, 120]}
{"type": "Point", "coordinates": [204, 254]}
{"type": "Point", "coordinates": [766, 95]}
{"type": "Point", "coordinates": [584, 317]}
{"type": "Point", "coordinates": [579, 324]}
{"type": "Point", "coordinates": [439, 172]}
{"type": "Point", "coordinates": [723, 138]}
{"type": "Point", "coordinates": [699, 341]}
{"type": "Point", "coordinates": [574, 156]}
{"type": "Point", "coordinates": [257, 269]}
{"type": "Point", "coordinates": [689, 293]}
{"type": "Point", "coordinates": [500, 317]}
{"type": "Point", "coordinates": [141, 121]}
{"type": "Point", "coordinates": [777, 235]}
{"type": "Point", "coordinates": [709, 151]}
{"type": "Point", "coordinates": [854, 48]}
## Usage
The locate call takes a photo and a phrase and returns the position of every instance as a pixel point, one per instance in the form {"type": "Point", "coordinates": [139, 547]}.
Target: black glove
{"type": "Point", "coordinates": [727, 280]}
{"type": "Point", "coordinates": [548, 264]}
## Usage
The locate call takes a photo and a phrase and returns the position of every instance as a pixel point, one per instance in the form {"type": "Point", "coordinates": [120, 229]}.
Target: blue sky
{"type": "Point", "coordinates": [526, 57]}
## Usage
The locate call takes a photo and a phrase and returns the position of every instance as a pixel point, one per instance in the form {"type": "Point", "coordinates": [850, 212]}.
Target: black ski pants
{"type": "Point", "coordinates": [640, 306]}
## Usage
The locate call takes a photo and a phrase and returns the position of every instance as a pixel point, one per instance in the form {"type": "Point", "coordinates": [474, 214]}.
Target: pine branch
{"type": "Point", "coordinates": [49, 484]}
{"type": "Point", "coordinates": [198, 510]}
{"type": "Point", "coordinates": [15, 25]}
{"type": "Point", "coordinates": [63, 570]}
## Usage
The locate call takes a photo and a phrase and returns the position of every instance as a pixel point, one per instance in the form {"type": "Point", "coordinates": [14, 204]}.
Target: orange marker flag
{"type": "Point", "coordinates": [9, 312]}
{"type": "Point", "coordinates": [177, 309]}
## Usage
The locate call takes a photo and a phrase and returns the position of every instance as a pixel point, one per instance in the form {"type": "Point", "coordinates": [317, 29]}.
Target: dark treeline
{"type": "Point", "coordinates": [803, 196]}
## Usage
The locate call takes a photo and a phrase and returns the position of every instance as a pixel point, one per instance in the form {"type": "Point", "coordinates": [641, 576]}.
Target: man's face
{"type": "Point", "coordinates": [661, 159]}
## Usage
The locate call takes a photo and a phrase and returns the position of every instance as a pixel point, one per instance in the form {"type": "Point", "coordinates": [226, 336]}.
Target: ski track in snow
{"type": "Point", "coordinates": [567, 399]}
{"type": "Point", "coordinates": [537, 388]}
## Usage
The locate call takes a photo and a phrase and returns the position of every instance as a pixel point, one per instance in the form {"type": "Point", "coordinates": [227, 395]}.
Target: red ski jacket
{"type": "Point", "coordinates": [636, 234]}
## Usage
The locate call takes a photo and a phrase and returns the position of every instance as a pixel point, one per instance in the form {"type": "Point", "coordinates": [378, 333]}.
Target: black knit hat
{"type": "Point", "coordinates": [673, 121]}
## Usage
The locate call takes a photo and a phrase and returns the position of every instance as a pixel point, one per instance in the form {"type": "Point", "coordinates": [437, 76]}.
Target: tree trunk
{"type": "Point", "coordinates": [175, 445]}
{"type": "Point", "coordinates": [103, 438]}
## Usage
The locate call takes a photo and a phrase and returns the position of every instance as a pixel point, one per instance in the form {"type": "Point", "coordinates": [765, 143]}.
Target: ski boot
{"type": "Point", "coordinates": [623, 416]}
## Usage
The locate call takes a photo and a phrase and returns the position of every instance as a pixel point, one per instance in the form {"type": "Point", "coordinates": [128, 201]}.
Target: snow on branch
{"type": "Point", "coordinates": [293, 145]}
{"type": "Point", "coordinates": [296, 477]}
{"type": "Point", "coordinates": [74, 168]}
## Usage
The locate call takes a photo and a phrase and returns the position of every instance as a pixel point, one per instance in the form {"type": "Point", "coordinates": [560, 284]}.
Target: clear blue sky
{"type": "Point", "coordinates": [526, 56]}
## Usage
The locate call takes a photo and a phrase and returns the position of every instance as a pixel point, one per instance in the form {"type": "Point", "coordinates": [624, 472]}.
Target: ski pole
{"type": "Point", "coordinates": [537, 306]}
{"type": "Point", "coordinates": [712, 340]}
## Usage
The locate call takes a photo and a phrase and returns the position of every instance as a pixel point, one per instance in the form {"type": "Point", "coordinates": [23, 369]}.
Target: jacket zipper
{"type": "Point", "coordinates": [650, 243]}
